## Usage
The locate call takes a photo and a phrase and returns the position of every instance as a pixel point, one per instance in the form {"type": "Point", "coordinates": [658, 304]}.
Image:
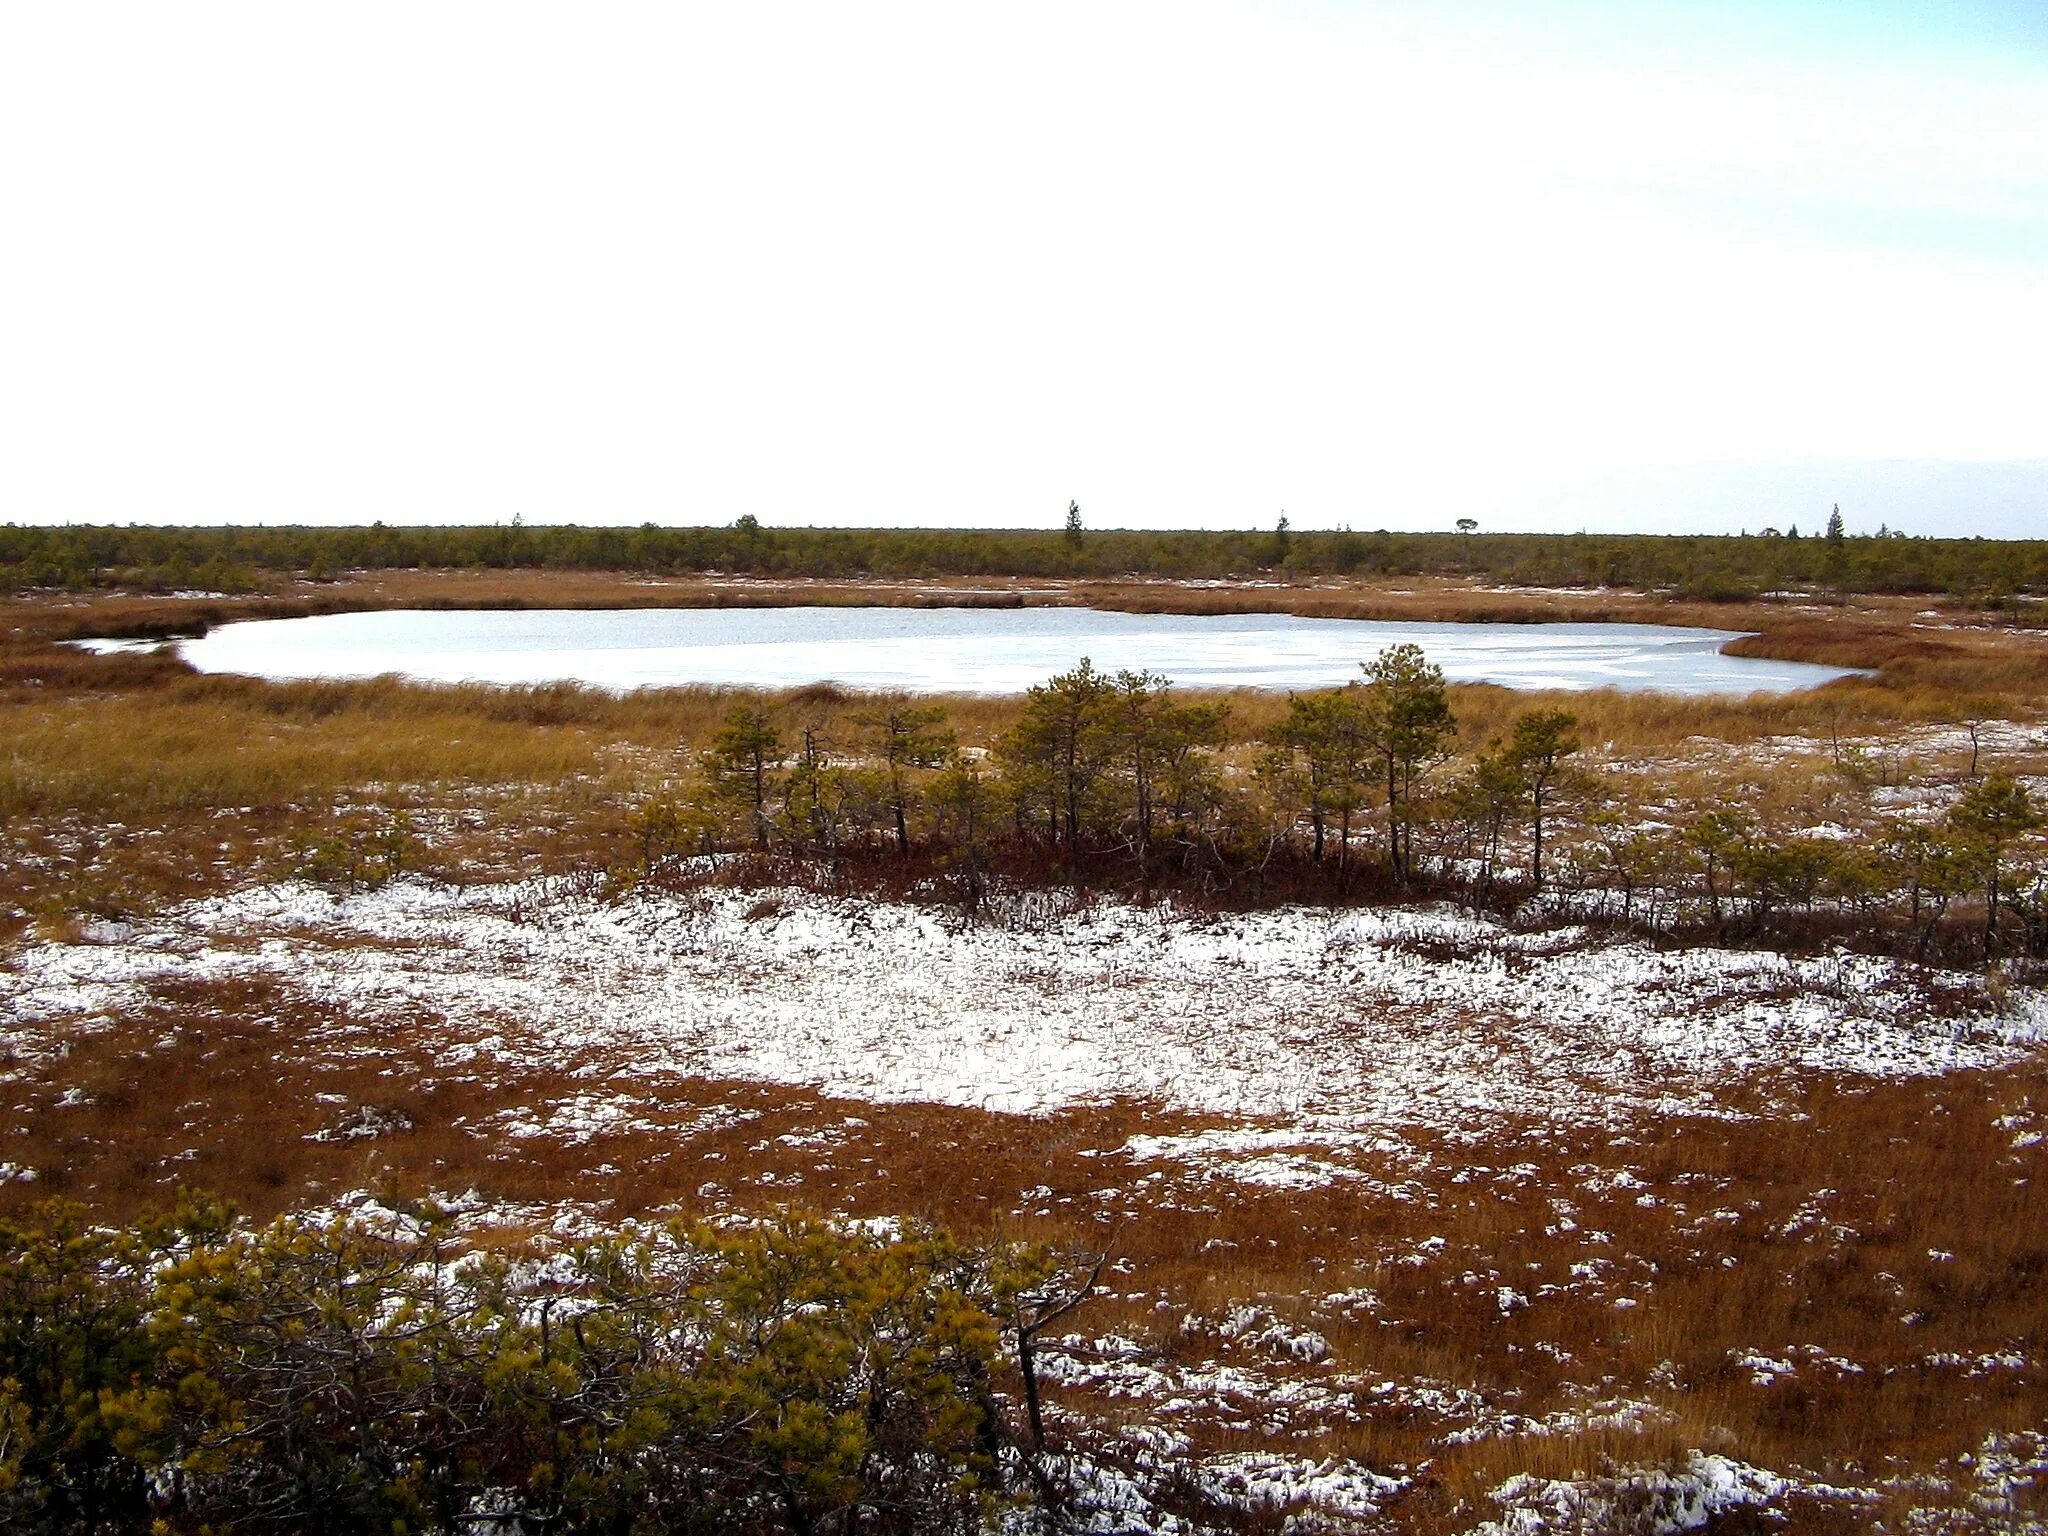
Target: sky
{"type": "Point", "coordinates": [1640, 266]}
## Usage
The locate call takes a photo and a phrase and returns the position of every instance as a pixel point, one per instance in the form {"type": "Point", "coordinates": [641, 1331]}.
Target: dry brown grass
{"type": "Point", "coordinates": [1888, 1225]}
{"type": "Point", "coordinates": [155, 734]}
{"type": "Point", "coordinates": [125, 781]}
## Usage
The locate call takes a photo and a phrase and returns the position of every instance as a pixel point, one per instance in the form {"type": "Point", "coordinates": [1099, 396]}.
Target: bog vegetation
{"type": "Point", "coordinates": [338, 1377]}
{"type": "Point", "coordinates": [1361, 791]}
{"type": "Point", "coordinates": [1589, 809]}
{"type": "Point", "coordinates": [190, 1374]}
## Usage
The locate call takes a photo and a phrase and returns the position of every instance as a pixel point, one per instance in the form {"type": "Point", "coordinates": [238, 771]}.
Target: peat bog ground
{"type": "Point", "coordinates": [1419, 1218]}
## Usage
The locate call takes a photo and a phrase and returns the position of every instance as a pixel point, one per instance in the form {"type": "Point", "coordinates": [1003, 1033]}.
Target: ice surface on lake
{"type": "Point", "coordinates": [966, 650]}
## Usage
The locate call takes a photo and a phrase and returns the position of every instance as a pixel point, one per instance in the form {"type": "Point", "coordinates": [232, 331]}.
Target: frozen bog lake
{"type": "Point", "coordinates": [966, 650]}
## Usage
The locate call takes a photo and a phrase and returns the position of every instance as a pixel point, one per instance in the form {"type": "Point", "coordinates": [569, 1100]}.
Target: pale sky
{"type": "Point", "coordinates": [1603, 265]}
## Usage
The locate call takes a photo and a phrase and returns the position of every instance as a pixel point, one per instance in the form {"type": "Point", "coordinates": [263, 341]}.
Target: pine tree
{"type": "Point", "coordinates": [1542, 739]}
{"type": "Point", "coordinates": [741, 763]}
{"type": "Point", "coordinates": [1991, 816]}
{"type": "Point", "coordinates": [1073, 525]}
{"type": "Point", "coordinates": [1835, 525]}
{"type": "Point", "coordinates": [965, 802]}
{"type": "Point", "coordinates": [1325, 756]}
{"type": "Point", "coordinates": [903, 737]}
{"type": "Point", "coordinates": [1410, 727]}
{"type": "Point", "coordinates": [1059, 749]}
{"type": "Point", "coordinates": [1156, 743]}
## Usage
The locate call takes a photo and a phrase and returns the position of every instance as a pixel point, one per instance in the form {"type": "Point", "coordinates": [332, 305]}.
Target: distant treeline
{"type": "Point", "coordinates": [1693, 567]}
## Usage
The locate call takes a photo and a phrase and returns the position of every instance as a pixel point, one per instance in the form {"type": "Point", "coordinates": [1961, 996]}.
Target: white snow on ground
{"type": "Point", "coordinates": [1333, 1021]}
{"type": "Point", "coordinates": [1657, 1501]}
{"type": "Point", "coordinates": [1242, 1396]}
{"type": "Point", "coordinates": [1329, 1032]}
{"type": "Point", "coordinates": [1316, 1495]}
{"type": "Point", "coordinates": [2009, 1473]}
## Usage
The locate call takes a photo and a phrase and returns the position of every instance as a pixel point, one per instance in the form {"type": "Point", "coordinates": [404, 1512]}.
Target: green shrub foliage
{"type": "Point", "coordinates": [1109, 779]}
{"type": "Point", "coordinates": [350, 1376]}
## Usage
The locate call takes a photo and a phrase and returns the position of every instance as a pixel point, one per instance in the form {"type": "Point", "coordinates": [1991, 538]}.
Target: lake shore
{"type": "Point", "coordinates": [1912, 641]}
{"type": "Point", "coordinates": [962, 650]}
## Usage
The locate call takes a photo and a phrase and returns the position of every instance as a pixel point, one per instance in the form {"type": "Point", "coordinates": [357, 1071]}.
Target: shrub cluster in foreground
{"type": "Point", "coordinates": [185, 1376]}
